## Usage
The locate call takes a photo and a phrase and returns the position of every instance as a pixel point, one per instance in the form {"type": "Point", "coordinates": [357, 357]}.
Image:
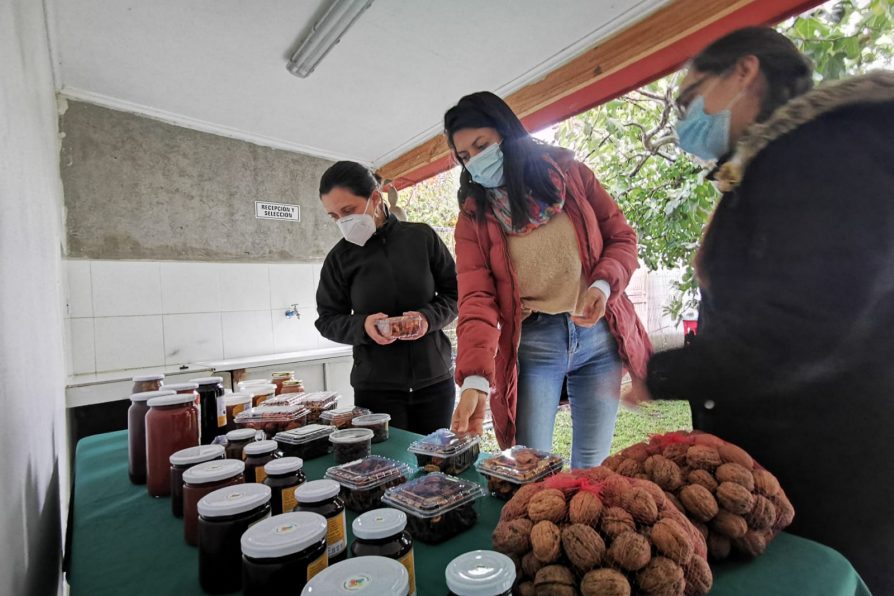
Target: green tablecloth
{"type": "Point", "coordinates": [125, 542]}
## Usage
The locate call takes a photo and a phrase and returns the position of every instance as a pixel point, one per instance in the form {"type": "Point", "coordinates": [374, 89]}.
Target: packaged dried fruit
{"type": "Point", "coordinates": [364, 481]}
{"type": "Point", "coordinates": [400, 327]}
{"type": "Point", "coordinates": [273, 419]}
{"type": "Point", "coordinates": [350, 444]}
{"type": "Point", "coordinates": [438, 506]}
{"type": "Point", "coordinates": [341, 417]}
{"type": "Point", "coordinates": [378, 423]}
{"type": "Point", "coordinates": [508, 471]}
{"type": "Point", "coordinates": [308, 442]}
{"type": "Point", "coordinates": [316, 402]}
{"type": "Point", "coordinates": [446, 451]}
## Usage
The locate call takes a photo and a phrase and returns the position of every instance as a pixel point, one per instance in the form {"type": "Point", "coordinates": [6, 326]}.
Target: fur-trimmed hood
{"type": "Point", "coordinates": [874, 87]}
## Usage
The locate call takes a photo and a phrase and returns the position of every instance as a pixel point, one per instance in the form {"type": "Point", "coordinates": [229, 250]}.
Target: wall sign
{"type": "Point", "coordinates": [265, 210]}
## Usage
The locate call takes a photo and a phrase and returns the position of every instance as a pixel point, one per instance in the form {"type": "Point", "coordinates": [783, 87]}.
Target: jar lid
{"type": "Point", "coordinates": [237, 398]}
{"type": "Point", "coordinates": [371, 419]}
{"type": "Point", "coordinates": [351, 435]}
{"type": "Point", "coordinates": [181, 386]}
{"type": "Point", "coordinates": [174, 399]}
{"type": "Point", "coordinates": [241, 434]}
{"type": "Point", "coordinates": [283, 465]}
{"type": "Point", "coordinates": [480, 573]}
{"type": "Point", "coordinates": [196, 455]}
{"type": "Point", "coordinates": [292, 383]}
{"type": "Point", "coordinates": [282, 374]}
{"type": "Point", "coordinates": [379, 523]}
{"type": "Point", "coordinates": [317, 490]}
{"type": "Point", "coordinates": [305, 434]}
{"type": "Point", "coordinates": [369, 575]}
{"type": "Point", "coordinates": [259, 389]}
{"type": "Point", "coordinates": [144, 378]}
{"type": "Point", "coordinates": [260, 447]}
{"type": "Point", "coordinates": [233, 500]}
{"type": "Point", "coordinates": [214, 471]}
{"type": "Point", "coordinates": [283, 535]}
{"type": "Point", "coordinates": [147, 395]}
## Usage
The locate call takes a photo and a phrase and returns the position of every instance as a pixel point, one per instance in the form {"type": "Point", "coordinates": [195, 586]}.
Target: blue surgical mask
{"type": "Point", "coordinates": [705, 136]}
{"type": "Point", "coordinates": [486, 168]}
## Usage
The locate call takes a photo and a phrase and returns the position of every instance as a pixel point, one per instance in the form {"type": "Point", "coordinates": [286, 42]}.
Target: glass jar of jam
{"type": "Point", "coordinates": [292, 386]}
{"type": "Point", "coordinates": [281, 554]}
{"type": "Point", "coordinates": [321, 496]}
{"type": "Point", "coordinates": [172, 424]}
{"type": "Point", "coordinates": [213, 408]}
{"type": "Point", "coordinates": [204, 479]}
{"type": "Point", "coordinates": [184, 388]}
{"type": "Point", "coordinates": [284, 475]}
{"type": "Point", "coordinates": [260, 393]}
{"type": "Point", "coordinates": [480, 573]}
{"type": "Point", "coordinates": [224, 516]}
{"type": "Point", "coordinates": [184, 460]}
{"type": "Point", "coordinates": [143, 383]}
{"type": "Point", "coordinates": [235, 403]}
{"type": "Point", "coordinates": [279, 378]}
{"type": "Point", "coordinates": [373, 575]}
{"type": "Point", "coordinates": [382, 532]}
{"type": "Point", "coordinates": [237, 440]}
{"type": "Point", "coordinates": [136, 434]}
{"type": "Point", "coordinates": [257, 454]}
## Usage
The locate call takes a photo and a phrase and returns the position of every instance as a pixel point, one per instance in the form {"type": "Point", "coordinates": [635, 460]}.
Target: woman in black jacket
{"type": "Point", "coordinates": [794, 360]}
{"type": "Point", "coordinates": [383, 268]}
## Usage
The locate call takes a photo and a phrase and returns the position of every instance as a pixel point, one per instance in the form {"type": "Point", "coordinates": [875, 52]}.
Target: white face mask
{"type": "Point", "coordinates": [358, 229]}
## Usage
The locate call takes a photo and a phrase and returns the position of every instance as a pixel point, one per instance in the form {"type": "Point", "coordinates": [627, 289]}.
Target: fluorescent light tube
{"type": "Point", "coordinates": [326, 33]}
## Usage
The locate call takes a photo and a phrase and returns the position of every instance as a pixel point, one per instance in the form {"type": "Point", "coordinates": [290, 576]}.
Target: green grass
{"type": "Point", "coordinates": [632, 426]}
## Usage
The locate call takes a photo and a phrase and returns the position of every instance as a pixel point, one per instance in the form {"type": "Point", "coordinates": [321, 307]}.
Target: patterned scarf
{"type": "Point", "coordinates": [539, 212]}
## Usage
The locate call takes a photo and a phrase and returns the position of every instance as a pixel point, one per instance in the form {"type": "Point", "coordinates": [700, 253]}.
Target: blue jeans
{"type": "Point", "coordinates": [553, 349]}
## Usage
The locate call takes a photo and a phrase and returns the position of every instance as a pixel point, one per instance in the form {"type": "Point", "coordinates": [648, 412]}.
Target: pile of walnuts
{"type": "Point", "coordinates": [737, 505]}
{"type": "Point", "coordinates": [595, 532]}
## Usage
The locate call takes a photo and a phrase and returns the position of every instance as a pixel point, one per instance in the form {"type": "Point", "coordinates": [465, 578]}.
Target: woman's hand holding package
{"type": "Point", "coordinates": [422, 329]}
{"type": "Point", "coordinates": [373, 332]}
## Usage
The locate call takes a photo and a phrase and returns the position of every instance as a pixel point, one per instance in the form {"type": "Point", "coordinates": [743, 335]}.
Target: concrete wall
{"type": "Point", "coordinates": [137, 188]}
{"type": "Point", "coordinates": [32, 435]}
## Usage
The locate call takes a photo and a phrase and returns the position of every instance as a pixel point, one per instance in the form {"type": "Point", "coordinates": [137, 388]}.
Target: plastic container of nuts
{"type": "Point", "coordinates": [399, 327]}
{"type": "Point", "coordinates": [364, 481]}
{"type": "Point", "coordinates": [378, 423]}
{"type": "Point", "coordinates": [350, 444]}
{"type": "Point", "coordinates": [273, 419]}
{"type": "Point", "coordinates": [308, 442]}
{"type": "Point", "coordinates": [508, 471]}
{"type": "Point", "coordinates": [342, 417]}
{"type": "Point", "coordinates": [446, 451]}
{"type": "Point", "coordinates": [438, 506]}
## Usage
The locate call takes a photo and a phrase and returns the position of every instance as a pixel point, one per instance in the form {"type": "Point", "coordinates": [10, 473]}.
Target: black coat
{"type": "Point", "coordinates": [794, 359]}
{"type": "Point", "coordinates": [403, 267]}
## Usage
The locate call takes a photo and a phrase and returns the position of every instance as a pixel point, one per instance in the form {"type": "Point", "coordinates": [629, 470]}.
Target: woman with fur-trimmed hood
{"type": "Point", "coordinates": [794, 360]}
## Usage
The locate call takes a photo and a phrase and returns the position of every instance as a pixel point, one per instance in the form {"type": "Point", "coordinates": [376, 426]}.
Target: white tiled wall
{"type": "Point", "coordinates": [136, 314]}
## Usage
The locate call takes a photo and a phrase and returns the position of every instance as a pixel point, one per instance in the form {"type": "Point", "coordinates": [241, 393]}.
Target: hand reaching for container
{"type": "Point", "coordinates": [421, 330]}
{"type": "Point", "coordinates": [469, 413]}
{"type": "Point", "coordinates": [373, 332]}
{"type": "Point", "coordinates": [593, 308]}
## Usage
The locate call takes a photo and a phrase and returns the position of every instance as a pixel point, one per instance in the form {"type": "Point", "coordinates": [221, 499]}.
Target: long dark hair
{"type": "Point", "coordinates": [351, 176]}
{"type": "Point", "coordinates": [526, 171]}
{"type": "Point", "coordinates": [788, 72]}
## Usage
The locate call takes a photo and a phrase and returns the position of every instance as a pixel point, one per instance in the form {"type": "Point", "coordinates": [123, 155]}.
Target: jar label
{"type": "Point", "coordinates": [289, 502]}
{"type": "Point", "coordinates": [317, 566]}
{"type": "Point", "coordinates": [408, 562]}
{"type": "Point", "coordinates": [221, 412]}
{"type": "Point", "coordinates": [237, 409]}
{"type": "Point", "coordinates": [335, 535]}
{"type": "Point", "coordinates": [260, 474]}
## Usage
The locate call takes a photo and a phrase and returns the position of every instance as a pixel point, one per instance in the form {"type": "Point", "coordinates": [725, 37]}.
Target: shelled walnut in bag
{"type": "Point", "coordinates": [739, 505]}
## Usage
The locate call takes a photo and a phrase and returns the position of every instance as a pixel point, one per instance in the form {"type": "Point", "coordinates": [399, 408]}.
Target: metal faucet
{"type": "Point", "coordinates": [292, 312]}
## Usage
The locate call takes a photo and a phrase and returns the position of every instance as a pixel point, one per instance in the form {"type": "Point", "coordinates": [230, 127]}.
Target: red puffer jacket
{"type": "Point", "coordinates": [490, 313]}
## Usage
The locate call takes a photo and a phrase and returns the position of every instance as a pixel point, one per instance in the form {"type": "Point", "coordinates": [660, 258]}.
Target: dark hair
{"type": "Point", "coordinates": [351, 176]}
{"type": "Point", "coordinates": [788, 72]}
{"type": "Point", "coordinates": [524, 167]}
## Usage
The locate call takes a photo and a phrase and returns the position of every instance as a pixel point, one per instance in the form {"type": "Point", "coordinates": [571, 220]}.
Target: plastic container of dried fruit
{"type": "Point", "coordinates": [309, 442]}
{"type": "Point", "coordinates": [451, 453]}
{"type": "Point", "coordinates": [342, 417]}
{"type": "Point", "coordinates": [399, 327]}
{"type": "Point", "coordinates": [273, 419]}
{"type": "Point", "coordinates": [364, 481]}
{"type": "Point", "coordinates": [511, 469]}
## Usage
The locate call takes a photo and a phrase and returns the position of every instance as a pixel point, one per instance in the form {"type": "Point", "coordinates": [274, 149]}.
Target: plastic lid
{"type": "Point", "coordinates": [283, 374]}
{"type": "Point", "coordinates": [344, 413]}
{"type": "Point", "coordinates": [316, 491]}
{"type": "Point", "coordinates": [444, 443]}
{"type": "Point", "coordinates": [214, 471]}
{"type": "Point", "coordinates": [237, 398]}
{"type": "Point", "coordinates": [371, 419]}
{"type": "Point", "coordinates": [174, 399]}
{"type": "Point", "coordinates": [260, 447]}
{"type": "Point", "coordinates": [147, 395]}
{"type": "Point", "coordinates": [181, 386]}
{"type": "Point", "coordinates": [208, 380]}
{"type": "Point", "coordinates": [317, 397]}
{"type": "Point", "coordinates": [379, 523]}
{"type": "Point", "coordinates": [144, 378]}
{"type": "Point", "coordinates": [241, 434]}
{"type": "Point", "coordinates": [480, 573]}
{"type": "Point", "coordinates": [351, 435]}
{"type": "Point", "coordinates": [366, 575]}
{"type": "Point", "coordinates": [254, 390]}
{"type": "Point", "coordinates": [305, 434]}
{"type": "Point", "coordinates": [369, 472]}
{"type": "Point", "coordinates": [283, 465]}
{"type": "Point", "coordinates": [432, 495]}
{"type": "Point", "coordinates": [196, 455]}
{"type": "Point", "coordinates": [233, 500]}
{"type": "Point", "coordinates": [521, 465]}
{"type": "Point", "coordinates": [283, 535]}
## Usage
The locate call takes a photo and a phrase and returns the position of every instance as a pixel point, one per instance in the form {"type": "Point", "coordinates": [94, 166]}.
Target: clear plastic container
{"type": "Point", "coordinates": [317, 403]}
{"type": "Point", "coordinates": [278, 378]}
{"type": "Point", "coordinates": [480, 573]}
{"type": "Point", "coordinates": [273, 419]}
{"type": "Point", "coordinates": [378, 423]}
{"type": "Point", "coordinates": [382, 533]}
{"type": "Point", "coordinates": [143, 383]}
{"type": "Point", "coordinates": [508, 471]}
{"type": "Point", "coordinates": [446, 451]}
{"type": "Point", "coordinates": [281, 554]}
{"type": "Point", "coordinates": [373, 575]}
{"type": "Point", "coordinates": [236, 403]}
{"type": "Point", "coordinates": [438, 506]}
{"type": "Point", "coordinates": [400, 327]}
{"type": "Point", "coordinates": [350, 444]}
{"type": "Point", "coordinates": [364, 482]}
{"type": "Point", "coordinates": [342, 417]}
{"type": "Point", "coordinates": [309, 442]}
{"type": "Point", "coordinates": [292, 386]}
{"type": "Point", "coordinates": [260, 394]}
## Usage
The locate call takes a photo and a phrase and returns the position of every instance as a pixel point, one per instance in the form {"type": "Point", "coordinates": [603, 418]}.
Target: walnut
{"type": "Point", "coordinates": [703, 457]}
{"type": "Point", "coordinates": [640, 504]}
{"type": "Point", "coordinates": [531, 565]}
{"type": "Point", "coordinates": [672, 541]}
{"type": "Point", "coordinates": [546, 541]}
{"type": "Point", "coordinates": [665, 473]}
{"type": "Point", "coordinates": [735, 498]}
{"type": "Point", "coordinates": [785, 512]}
{"type": "Point", "coordinates": [765, 483]}
{"type": "Point", "coordinates": [517, 506]}
{"type": "Point", "coordinates": [702, 478]}
{"type": "Point", "coordinates": [661, 577]}
{"type": "Point", "coordinates": [730, 453]}
{"type": "Point", "coordinates": [584, 508]}
{"type": "Point", "coordinates": [605, 582]}
{"type": "Point", "coordinates": [597, 474]}
{"type": "Point", "coordinates": [630, 551]}
{"type": "Point", "coordinates": [673, 500]}
{"type": "Point", "coordinates": [763, 515]}
{"type": "Point", "coordinates": [583, 546]}
{"type": "Point", "coordinates": [656, 492]}
{"type": "Point", "coordinates": [613, 489]}
{"type": "Point", "coordinates": [729, 524]}
{"type": "Point", "coordinates": [699, 578]}
{"type": "Point", "coordinates": [703, 438]}
{"type": "Point", "coordinates": [616, 521]}
{"type": "Point", "coordinates": [555, 580]}
{"type": "Point", "coordinates": [526, 589]}
{"type": "Point", "coordinates": [753, 543]}
{"type": "Point", "coordinates": [733, 472]}
{"type": "Point", "coordinates": [702, 529]}
{"type": "Point", "coordinates": [548, 504]}
{"type": "Point", "coordinates": [613, 461]}
{"type": "Point", "coordinates": [630, 468]}
{"type": "Point", "coordinates": [513, 537]}
{"type": "Point", "coordinates": [699, 502]}
{"type": "Point", "coordinates": [676, 452]}
{"type": "Point", "coordinates": [638, 452]}
{"type": "Point", "coordinates": [719, 546]}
